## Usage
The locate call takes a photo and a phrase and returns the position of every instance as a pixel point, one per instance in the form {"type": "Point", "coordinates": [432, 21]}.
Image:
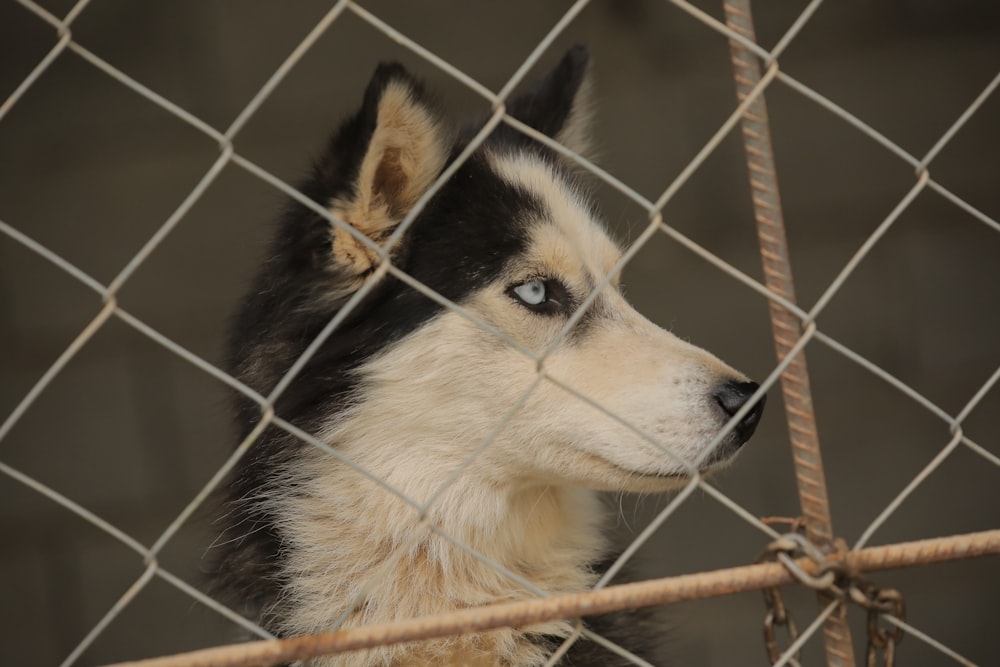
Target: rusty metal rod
{"type": "Point", "coordinates": [613, 598]}
{"type": "Point", "coordinates": [785, 325]}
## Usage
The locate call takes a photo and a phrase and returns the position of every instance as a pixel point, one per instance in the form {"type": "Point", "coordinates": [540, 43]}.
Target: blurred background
{"type": "Point", "coordinates": [131, 432]}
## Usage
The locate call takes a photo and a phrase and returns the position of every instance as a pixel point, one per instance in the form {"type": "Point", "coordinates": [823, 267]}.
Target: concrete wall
{"type": "Point", "coordinates": [131, 432]}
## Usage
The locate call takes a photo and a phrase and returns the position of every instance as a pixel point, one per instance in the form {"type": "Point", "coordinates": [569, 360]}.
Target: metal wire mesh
{"type": "Point", "coordinates": [228, 155]}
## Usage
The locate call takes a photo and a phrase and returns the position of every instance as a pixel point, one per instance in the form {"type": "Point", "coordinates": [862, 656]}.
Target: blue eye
{"type": "Point", "coordinates": [531, 293]}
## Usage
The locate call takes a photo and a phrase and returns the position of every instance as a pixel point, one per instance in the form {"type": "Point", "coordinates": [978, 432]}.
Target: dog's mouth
{"type": "Point", "coordinates": [723, 453]}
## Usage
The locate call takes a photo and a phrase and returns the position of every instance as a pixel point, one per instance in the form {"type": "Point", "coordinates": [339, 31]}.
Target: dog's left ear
{"type": "Point", "coordinates": [559, 105]}
{"type": "Point", "coordinates": [405, 144]}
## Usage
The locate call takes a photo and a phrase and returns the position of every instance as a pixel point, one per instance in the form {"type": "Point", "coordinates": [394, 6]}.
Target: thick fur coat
{"type": "Point", "coordinates": [409, 390]}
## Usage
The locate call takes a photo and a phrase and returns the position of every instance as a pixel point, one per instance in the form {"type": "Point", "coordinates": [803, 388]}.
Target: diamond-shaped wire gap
{"type": "Point", "coordinates": [893, 148]}
{"type": "Point", "coordinates": [493, 40]}
{"type": "Point", "coordinates": [685, 78]}
{"type": "Point", "coordinates": [55, 12]}
{"type": "Point", "coordinates": [160, 620]}
{"type": "Point", "coordinates": [39, 317]}
{"type": "Point", "coordinates": [915, 110]}
{"type": "Point", "coordinates": [922, 400]}
{"type": "Point", "coordinates": [109, 310]}
{"type": "Point", "coordinates": [948, 602]}
{"type": "Point", "coordinates": [878, 438]}
{"type": "Point", "coordinates": [39, 579]}
{"type": "Point", "coordinates": [973, 108]}
{"type": "Point", "coordinates": [111, 529]}
{"type": "Point", "coordinates": [659, 283]}
{"type": "Point", "coordinates": [228, 51]}
{"type": "Point", "coordinates": [61, 605]}
{"type": "Point", "coordinates": [101, 150]}
{"type": "Point", "coordinates": [123, 601]}
{"type": "Point", "coordinates": [188, 289]}
{"type": "Point", "coordinates": [920, 635]}
{"type": "Point", "coordinates": [85, 571]}
{"type": "Point", "coordinates": [886, 143]}
{"type": "Point", "coordinates": [206, 180]}
{"type": "Point", "coordinates": [8, 473]}
{"type": "Point", "coordinates": [126, 447]}
{"type": "Point", "coordinates": [921, 304]}
{"type": "Point", "coordinates": [935, 506]}
{"type": "Point", "coordinates": [836, 187]}
{"type": "Point", "coordinates": [980, 423]}
{"type": "Point", "coordinates": [678, 183]}
{"type": "Point", "coordinates": [808, 637]}
{"type": "Point", "coordinates": [967, 161]}
{"type": "Point", "coordinates": [30, 48]}
{"type": "Point", "coordinates": [957, 437]}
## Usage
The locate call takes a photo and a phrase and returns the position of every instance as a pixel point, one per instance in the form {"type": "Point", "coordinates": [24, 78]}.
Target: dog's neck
{"type": "Point", "coordinates": [360, 554]}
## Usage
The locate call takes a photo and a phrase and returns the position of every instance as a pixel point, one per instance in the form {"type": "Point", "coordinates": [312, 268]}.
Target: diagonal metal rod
{"type": "Point", "coordinates": [786, 326]}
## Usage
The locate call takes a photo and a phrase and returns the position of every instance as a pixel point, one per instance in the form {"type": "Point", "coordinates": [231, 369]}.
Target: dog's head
{"type": "Point", "coordinates": [602, 398]}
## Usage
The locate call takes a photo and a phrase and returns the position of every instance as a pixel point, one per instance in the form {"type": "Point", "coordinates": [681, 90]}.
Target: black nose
{"type": "Point", "coordinates": [731, 397]}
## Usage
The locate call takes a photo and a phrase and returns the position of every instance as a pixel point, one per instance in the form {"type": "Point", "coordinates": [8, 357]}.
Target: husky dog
{"type": "Point", "coordinates": [408, 389]}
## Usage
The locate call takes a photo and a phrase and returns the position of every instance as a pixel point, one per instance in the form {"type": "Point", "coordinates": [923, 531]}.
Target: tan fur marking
{"type": "Point", "coordinates": [569, 242]}
{"type": "Point", "coordinates": [406, 153]}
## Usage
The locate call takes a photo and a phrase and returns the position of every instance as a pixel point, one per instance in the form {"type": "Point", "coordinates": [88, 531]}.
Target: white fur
{"type": "Point", "coordinates": [526, 501]}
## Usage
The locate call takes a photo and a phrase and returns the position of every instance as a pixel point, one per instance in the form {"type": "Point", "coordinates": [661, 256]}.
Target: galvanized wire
{"type": "Point", "coordinates": [106, 305]}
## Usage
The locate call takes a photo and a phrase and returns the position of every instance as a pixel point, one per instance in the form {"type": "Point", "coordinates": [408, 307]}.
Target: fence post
{"type": "Point", "coordinates": [786, 327]}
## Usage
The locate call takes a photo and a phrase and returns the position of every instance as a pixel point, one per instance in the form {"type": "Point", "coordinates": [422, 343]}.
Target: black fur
{"type": "Point", "coordinates": [547, 105]}
{"type": "Point", "coordinates": [288, 305]}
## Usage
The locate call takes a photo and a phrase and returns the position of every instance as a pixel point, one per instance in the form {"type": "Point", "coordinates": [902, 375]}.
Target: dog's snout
{"type": "Point", "coordinates": [732, 396]}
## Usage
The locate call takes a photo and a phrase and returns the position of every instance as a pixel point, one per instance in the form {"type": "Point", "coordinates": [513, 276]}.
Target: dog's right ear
{"type": "Point", "coordinates": [390, 153]}
{"type": "Point", "coordinates": [559, 104]}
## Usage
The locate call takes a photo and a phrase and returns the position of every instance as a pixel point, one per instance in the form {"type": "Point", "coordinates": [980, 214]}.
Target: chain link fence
{"type": "Point", "coordinates": [944, 414]}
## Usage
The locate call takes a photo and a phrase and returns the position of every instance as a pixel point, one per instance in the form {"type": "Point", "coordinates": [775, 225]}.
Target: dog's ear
{"type": "Point", "coordinates": [559, 105]}
{"type": "Point", "coordinates": [399, 145]}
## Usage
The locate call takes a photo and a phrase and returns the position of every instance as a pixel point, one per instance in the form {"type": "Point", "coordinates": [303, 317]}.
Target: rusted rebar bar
{"type": "Point", "coordinates": [785, 325]}
{"type": "Point", "coordinates": [613, 598]}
